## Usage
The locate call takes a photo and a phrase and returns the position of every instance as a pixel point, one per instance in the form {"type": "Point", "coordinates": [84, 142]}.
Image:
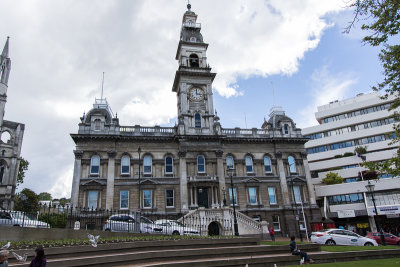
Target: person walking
{"type": "Point", "coordinates": [3, 258]}
{"type": "Point", "coordinates": [295, 251]}
{"type": "Point", "coordinates": [272, 233]}
{"type": "Point", "coordinates": [40, 258]}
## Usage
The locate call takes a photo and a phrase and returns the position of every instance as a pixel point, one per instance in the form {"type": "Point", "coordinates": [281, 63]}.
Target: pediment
{"type": "Point", "coordinates": [297, 179]}
{"type": "Point", "coordinates": [149, 181]}
{"type": "Point", "coordinates": [251, 180]}
{"type": "Point", "coordinates": [93, 182]}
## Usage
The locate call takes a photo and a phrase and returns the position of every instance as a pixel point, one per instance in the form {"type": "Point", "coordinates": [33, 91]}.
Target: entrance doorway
{"type": "Point", "coordinates": [202, 197]}
{"type": "Point", "coordinates": [213, 229]}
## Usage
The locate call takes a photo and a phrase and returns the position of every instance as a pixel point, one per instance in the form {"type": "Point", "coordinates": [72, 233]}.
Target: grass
{"type": "Point", "coordinates": [364, 263]}
{"type": "Point", "coordinates": [355, 248]}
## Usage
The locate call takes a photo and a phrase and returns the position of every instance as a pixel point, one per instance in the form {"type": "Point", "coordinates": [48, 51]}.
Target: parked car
{"type": "Point", "coordinates": [172, 227]}
{"type": "Point", "coordinates": [389, 238]}
{"type": "Point", "coordinates": [20, 219]}
{"type": "Point", "coordinates": [341, 237]}
{"type": "Point", "coordinates": [126, 223]}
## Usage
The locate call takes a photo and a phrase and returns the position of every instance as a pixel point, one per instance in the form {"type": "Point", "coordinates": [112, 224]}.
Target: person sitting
{"type": "Point", "coordinates": [40, 258]}
{"type": "Point", "coordinates": [296, 251]}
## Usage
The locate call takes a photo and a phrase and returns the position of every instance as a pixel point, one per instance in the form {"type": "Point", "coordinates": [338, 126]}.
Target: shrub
{"type": "Point", "coordinates": [332, 178]}
{"type": "Point", "coordinates": [338, 156]}
{"type": "Point", "coordinates": [348, 154]}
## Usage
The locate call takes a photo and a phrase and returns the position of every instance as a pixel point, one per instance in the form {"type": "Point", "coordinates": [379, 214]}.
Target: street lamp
{"type": "Point", "coordinates": [229, 171]}
{"type": "Point", "coordinates": [370, 187]}
{"type": "Point", "coordinates": [297, 211]}
{"type": "Point", "coordinates": [139, 151]}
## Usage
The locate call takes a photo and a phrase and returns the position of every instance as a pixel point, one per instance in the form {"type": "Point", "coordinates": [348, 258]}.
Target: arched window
{"type": "Point", "coordinates": [230, 163]}
{"type": "Point", "coordinates": [292, 164]}
{"type": "Point", "coordinates": [97, 124]}
{"type": "Point", "coordinates": [197, 120]}
{"type": "Point", "coordinates": [267, 164]}
{"type": "Point", "coordinates": [1, 172]}
{"type": "Point", "coordinates": [286, 129]}
{"type": "Point", "coordinates": [169, 165]}
{"type": "Point", "coordinates": [194, 60]}
{"type": "Point", "coordinates": [249, 164]}
{"type": "Point", "coordinates": [125, 164]}
{"type": "Point", "coordinates": [147, 164]}
{"type": "Point", "coordinates": [201, 164]}
{"type": "Point", "coordinates": [95, 164]}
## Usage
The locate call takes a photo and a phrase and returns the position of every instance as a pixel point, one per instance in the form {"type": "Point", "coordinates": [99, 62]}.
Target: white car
{"type": "Point", "coordinates": [341, 237]}
{"type": "Point", "coordinates": [126, 223]}
{"type": "Point", "coordinates": [172, 227]}
{"type": "Point", "coordinates": [20, 219]}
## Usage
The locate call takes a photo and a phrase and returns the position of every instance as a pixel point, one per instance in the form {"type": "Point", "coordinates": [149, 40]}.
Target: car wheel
{"type": "Point", "coordinates": [16, 225]}
{"type": "Point", "coordinates": [175, 233]}
{"type": "Point", "coordinates": [330, 242]}
{"type": "Point", "coordinates": [108, 230]}
{"type": "Point", "coordinates": [368, 244]}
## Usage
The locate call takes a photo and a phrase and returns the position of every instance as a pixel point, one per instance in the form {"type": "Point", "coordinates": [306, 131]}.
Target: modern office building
{"type": "Point", "coordinates": [182, 169]}
{"type": "Point", "coordinates": [365, 121]}
{"type": "Point", "coordinates": [11, 139]}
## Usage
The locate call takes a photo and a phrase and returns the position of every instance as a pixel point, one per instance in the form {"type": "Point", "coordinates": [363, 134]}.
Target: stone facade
{"type": "Point", "coordinates": [183, 168]}
{"type": "Point", "coordinates": [11, 139]}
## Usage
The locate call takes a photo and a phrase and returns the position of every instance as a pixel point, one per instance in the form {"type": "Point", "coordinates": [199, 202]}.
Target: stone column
{"type": "Point", "coordinates": [76, 178]}
{"type": "Point", "coordinates": [110, 179]}
{"type": "Point", "coordinates": [308, 178]}
{"type": "Point", "coordinates": [282, 176]}
{"type": "Point", "coordinates": [221, 175]}
{"type": "Point", "coordinates": [183, 181]}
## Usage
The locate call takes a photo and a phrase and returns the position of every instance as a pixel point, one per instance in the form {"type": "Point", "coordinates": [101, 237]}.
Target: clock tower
{"type": "Point", "coordinates": [193, 81]}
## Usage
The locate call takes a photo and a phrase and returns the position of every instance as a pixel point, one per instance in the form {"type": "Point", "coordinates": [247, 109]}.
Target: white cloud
{"type": "Point", "coordinates": [326, 87]}
{"type": "Point", "coordinates": [59, 50]}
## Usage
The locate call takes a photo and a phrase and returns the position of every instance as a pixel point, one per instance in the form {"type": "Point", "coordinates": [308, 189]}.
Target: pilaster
{"type": "Point", "coordinates": [76, 178]}
{"type": "Point", "coordinates": [311, 192]}
{"type": "Point", "coordinates": [110, 179]}
{"type": "Point", "coordinates": [221, 175]}
{"type": "Point", "coordinates": [183, 181]}
{"type": "Point", "coordinates": [282, 176]}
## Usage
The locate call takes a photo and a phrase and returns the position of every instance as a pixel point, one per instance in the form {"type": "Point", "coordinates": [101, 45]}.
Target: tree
{"type": "Point", "coordinates": [44, 196]}
{"type": "Point", "coordinates": [27, 201]}
{"type": "Point", "coordinates": [382, 22]}
{"type": "Point", "coordinates": [332, 178]}
{"type": "Point", "coordinates": [23, 167]}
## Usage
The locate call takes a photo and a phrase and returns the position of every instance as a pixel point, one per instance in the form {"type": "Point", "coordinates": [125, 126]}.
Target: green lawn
{"type": "Point", "coordinates": [366, 263]}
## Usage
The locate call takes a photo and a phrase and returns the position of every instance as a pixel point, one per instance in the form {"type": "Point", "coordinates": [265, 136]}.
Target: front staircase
{"type": "Point", "coordinates": [219, 221]}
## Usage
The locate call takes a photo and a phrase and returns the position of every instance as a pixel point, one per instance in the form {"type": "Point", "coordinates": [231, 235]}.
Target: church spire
{"type": "Point", "coordinates": [4, 54]}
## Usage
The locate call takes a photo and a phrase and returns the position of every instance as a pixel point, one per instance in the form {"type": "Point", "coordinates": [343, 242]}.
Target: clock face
{"type": "Point", "coordinates": [196, 94]}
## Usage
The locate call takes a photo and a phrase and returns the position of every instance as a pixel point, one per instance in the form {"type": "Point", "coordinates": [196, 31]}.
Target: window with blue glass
{"type": "Point", "coordinates": [95, 165]}
{"type": "Point", "coordinates": [232, 196]}
{"type": "Point", "coordinates": [272, 195]}
{"type": "Point", "coordinates": [267, 164]}
{"type": "Point", "coordinates": [92, 199]}
{"type": "Point", "coordinates": [169, 164]}
{"type": "Point", "coordinates": [230, 164]}
{"type": "Point", "coordinates": [252, 195]}
{"type": "Point", "coordinates": [292, 164]}
{"type": "Point", "coordinates": [125, 164]}
{"type": "Point", "coordinates": [147, 164]}
{"type": "Point", "coordinates": [124, 199]}
{"type": "Point", "coordinates": [286, 128]}
{"type": "Point", "coordinates": [201, 164]}
{"type": "Point", "coordinates": [197, 120]}
{"type": "Point", "coordinates": [147, 199]}
{"type": "Point", "coordinates": [249, 164]}
{"type": "Point", "coordinates": [297, 194]}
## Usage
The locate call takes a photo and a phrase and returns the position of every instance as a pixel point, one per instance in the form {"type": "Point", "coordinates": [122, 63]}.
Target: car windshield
{"type": "Point", "coordinates": [145, 220]}
{"type": "Point", "coordinates": [176, 223]}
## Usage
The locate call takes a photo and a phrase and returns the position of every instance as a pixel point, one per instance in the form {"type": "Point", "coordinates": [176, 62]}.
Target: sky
{"type": "Point", "coordinates": [290, 53]}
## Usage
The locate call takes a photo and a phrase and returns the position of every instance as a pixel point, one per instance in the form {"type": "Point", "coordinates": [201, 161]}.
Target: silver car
{"type": "Point", "coordinates": [172, 227]}
{"type": "Point", "coordinates": [20, 219]}
{"type": "Point", "coordinates": [127, 223]}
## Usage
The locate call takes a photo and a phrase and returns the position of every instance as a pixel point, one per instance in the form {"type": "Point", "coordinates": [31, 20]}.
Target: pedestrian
{"type": "Point", "coordinates": [272, 233]}
{"type": "Point", "coordinates": [40, 258]}
{"type": "Point", "coordinates": [296, 251]}
{"type": "Point", "coordinates": [3, 258]}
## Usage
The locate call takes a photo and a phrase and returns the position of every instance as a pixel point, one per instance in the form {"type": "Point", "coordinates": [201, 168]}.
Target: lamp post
{"type": "Point", "coordinates": [139, 151]}
{"type": "Point", "coordinates": [297, 211]}
{"type": "Point", "coordinates": [229, 171]}
{"type": "Point", "coordinates": [223, 190]}
{"type": "Point", "coordinates": [370, 187]}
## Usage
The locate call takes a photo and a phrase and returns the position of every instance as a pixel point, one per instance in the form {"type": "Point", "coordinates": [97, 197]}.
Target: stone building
{"type": "Point", "coordinates": [183, 168]}
{"type": "Point", "coordinates": [11, 139]}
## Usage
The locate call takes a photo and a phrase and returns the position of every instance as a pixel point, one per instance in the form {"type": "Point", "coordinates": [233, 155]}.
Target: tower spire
{"type": "Point", "coordinates": [189, 6]}
{"type": "Point", "coordinates": [4, 54]}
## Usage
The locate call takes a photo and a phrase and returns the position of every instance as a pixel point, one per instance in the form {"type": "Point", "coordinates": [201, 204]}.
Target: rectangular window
{"type": "Point", "coordinates": [124, 200]}
{"type": "Point", "coordinates": [147, 200]}
{"type": "Point", "coordinates": [276, 223]}
{"type": "Point", "coordinates": [92, 199]}
{"type": "Point", "coordinates": [169, 197]}
{"type": "Point", "coordinates": [168, 165]}
{"type": "Point", "coordinates": [271, 195]}
{"type": "Point", "coordinates": [234, 195]}
{"type": "Point", "coordinates": [252, 195]}
{"type": "Point", "coordinates": [297, 194]}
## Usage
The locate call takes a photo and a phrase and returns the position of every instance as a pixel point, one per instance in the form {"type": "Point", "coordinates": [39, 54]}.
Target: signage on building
{"type": "Point", "coordinates": [384, 210]}
{"type": "Point", "coordinates": [346, 214]}
{"type": "Point", "coordinates": [392, 216]}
